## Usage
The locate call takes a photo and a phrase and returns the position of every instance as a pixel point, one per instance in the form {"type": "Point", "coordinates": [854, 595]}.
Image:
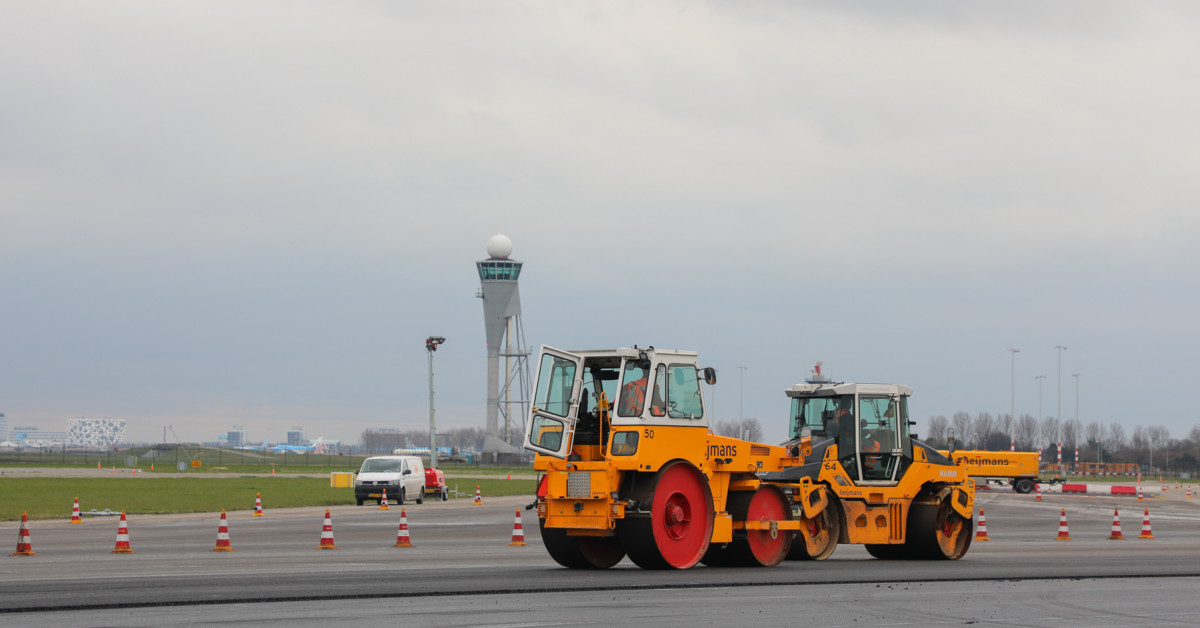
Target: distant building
{"type": "Point", "coordinates": [34, 437]}
{"type": "Point", "coordinates": [295, 437]}
{"type": "Point", "coordinates": [95, 432]}
{"type": "Point", "coordinates": [3, 427]}
{"type": "Point", "coordinates": [236, 437]}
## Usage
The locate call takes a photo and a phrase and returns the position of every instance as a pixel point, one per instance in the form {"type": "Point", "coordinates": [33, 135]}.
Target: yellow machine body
{"type": "Point", "coordinates": [630, 467]}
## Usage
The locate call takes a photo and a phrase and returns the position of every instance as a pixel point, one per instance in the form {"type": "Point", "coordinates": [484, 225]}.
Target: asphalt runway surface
{"type": "Point", "coordinates": [462, 572]}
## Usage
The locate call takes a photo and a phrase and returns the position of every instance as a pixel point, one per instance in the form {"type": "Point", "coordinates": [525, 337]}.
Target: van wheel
{"type": "Point", "coordinates": [400, 498]}
{"type": "Point", "coordinates": [445, 494]}
{"type": "Point", "coordinates": [421, 497]}
{"type": "Point", "coordinates": [359, 500]}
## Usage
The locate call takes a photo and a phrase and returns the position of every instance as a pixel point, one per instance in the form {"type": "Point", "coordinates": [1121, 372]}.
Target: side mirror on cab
{"type": "Point", "coordinates": [709, 374]}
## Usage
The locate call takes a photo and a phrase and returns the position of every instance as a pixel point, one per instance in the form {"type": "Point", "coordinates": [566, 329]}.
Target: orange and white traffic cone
{"type": "Point", "coordinates": [258, 511]}
{"type": "Point", "coordinates": [1063, 533]}
{"type": "Point", "coordinates": [1116, 528]}
{"type": "Point", "coordinates": [402, 539]}
{"type": "Point", "coordinates": [1037, 489]}
{"type": "Point", "coordinates": [1189, 494]}
{"type": "Point", "coordinates": [479, 496]}
{"type": "Point", "coordinates": [24, 545]}
{"type": "Point", "coordinates": [1146, 533]}
{"type": "Point", "coordinates": [75, 518]}
{"type": "Point", "coordinates": [383, 501]}
{"type": "Point", "coordinates": [122, 546]}
{"type": "Point", "coordinates": [981, 531]}
{"type": "Point", "coordinates": [1140, 497]}
{"type": "Point", "coordinates": [327, 534]}
{"type": "Point", "coordinates": [518, 537]}
{"type": "Point", "coordinates": [223, 535]}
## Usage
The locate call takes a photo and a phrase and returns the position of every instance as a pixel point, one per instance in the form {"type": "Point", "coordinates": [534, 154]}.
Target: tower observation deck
{"type": "Point", "coordinates": [507, 397]}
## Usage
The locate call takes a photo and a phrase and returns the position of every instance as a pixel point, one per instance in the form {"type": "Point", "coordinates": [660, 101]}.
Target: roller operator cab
{"type": "Point", "coordinates": [896, 495]}
{"type": "Point", "coordinates": [630, 467]}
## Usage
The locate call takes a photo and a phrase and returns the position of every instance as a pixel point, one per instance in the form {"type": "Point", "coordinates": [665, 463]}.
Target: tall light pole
{"type": "Point", "coordinates": [741, 372]}
{"type": "Point", "coordinates": [1076, 376]}
{"type": "Point", "coordinates": [431, 345]}
{"type": "Point", "coordinates": [1040, 379]}
{"type": "Point", "coordinates": [1058, 417]}
{"type": "Point", "coordinates": [1012, 417]}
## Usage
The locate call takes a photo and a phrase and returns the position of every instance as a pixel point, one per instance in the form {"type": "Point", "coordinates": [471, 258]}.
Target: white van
{"type": "Point", "coordinates": [401, 476]}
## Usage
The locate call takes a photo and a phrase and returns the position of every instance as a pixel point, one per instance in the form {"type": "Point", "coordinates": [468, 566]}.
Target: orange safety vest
{"type": "Point", "coordinates": [874, 447]}
{"type": "Point", "coordinates": [633, 397]}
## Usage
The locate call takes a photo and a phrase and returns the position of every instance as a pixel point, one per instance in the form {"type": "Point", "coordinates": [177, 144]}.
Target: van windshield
{"type": "Point", "coordinates": [381, 465]}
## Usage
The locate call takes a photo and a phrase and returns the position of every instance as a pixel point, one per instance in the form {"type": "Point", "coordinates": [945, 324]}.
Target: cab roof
{"type": "Point", "coordinates": [848, 388]}
{"type": "Point", "coordinates": [626, 352]}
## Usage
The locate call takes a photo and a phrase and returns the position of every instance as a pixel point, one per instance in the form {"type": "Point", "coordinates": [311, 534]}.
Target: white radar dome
{"type": "Point", "coordinates": [499, 246]}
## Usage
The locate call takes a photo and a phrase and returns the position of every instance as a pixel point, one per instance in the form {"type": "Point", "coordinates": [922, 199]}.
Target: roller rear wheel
{"type": "Point", "coordinates": [765, 548]}
{"type": "Point", "coordinates": [822, 533]}
{"type": "Point", "coordinates": [581, 552]}
{"type": "Point", "coordinates": [676, 532]}
{"type": "Point", "coordinates": [937, 532]}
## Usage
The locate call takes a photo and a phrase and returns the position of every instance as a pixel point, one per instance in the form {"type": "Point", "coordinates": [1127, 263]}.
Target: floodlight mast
{"type": "Point", "coordinates": [431, 345]}
{"type": "Point", "coordinates": [1012, 418]}
{"type": "Point", "coordinates": [1058, 419]}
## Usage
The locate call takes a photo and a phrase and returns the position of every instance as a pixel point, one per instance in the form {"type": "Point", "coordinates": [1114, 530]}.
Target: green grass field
{"type": "Point", "coordinates": [52, 498]}
{"type": "Point", "coordinates": [214, 461]}
{"type": "Point", "coordinates": [234, 468]}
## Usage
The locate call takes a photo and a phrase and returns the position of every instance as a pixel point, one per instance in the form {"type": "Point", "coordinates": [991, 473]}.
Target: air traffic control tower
{"type": "Point", "coordinates": [498, 275]}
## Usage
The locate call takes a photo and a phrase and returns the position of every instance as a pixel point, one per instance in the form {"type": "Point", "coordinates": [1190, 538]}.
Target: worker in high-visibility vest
{"type": "Point", "coordinates": [633, 397]}
{"type": "Point", "coordinates": [633, 392]}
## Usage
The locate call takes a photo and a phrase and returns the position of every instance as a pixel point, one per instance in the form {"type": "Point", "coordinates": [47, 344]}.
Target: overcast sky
{"type": "Point", "coordinates": [219, 213]}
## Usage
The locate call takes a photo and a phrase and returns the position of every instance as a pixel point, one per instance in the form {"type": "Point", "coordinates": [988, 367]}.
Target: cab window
{"type": "Point", "coordinates": [633, 388]}
{"type": "Point", "coordinates": [820, 414]}
{"type": "Point", "coordinates": [683, 392]}
{"type": "Point", "coordinates": [557, 376]}
{"type": "Point", "coordinates": [877, 418]}
{"type": "Point", "coordinates": [547, 432]}
{"type": "Point", "coordinates": [658, 399]}
{"type": "Point", "coordinates": [879, 438]}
